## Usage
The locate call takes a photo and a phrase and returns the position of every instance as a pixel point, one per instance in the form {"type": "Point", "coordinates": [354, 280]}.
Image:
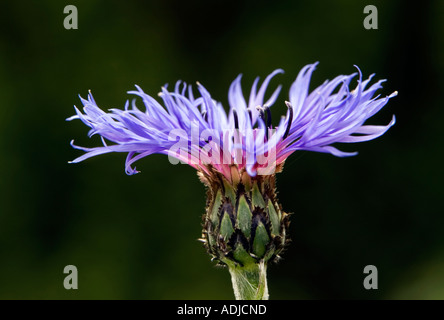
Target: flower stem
{"type": "Point", "coordinates": [249, 282]}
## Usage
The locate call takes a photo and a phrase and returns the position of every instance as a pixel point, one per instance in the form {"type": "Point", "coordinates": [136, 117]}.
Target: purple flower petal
{"type": "Point", "coordinates": [331, 113]}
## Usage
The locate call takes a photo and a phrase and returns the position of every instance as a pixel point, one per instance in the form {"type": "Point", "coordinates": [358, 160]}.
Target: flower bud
{"type": "Point", "coordinates": [244, 223]}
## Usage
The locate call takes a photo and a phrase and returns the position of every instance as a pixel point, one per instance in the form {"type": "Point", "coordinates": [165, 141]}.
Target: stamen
{"type": "Point", "coordinates": [236, 120]}
{"type": "Point", "coordinates": [267, 108]}
{"type": "Point", "coordinates": [262, 116]}
{"type": "Point", "coordinates": [261, 112]}
{"type": "Point", "coordinates": [204, 116]}
{"type": "Point", "coordinates": [251, 116]}
{"type": "Point", "coordinates": [290, 119]}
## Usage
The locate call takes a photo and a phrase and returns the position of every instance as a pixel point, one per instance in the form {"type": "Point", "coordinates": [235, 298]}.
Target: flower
{"type": "Point", "coordinates": [332, 113]}
{"type": "Point", "coordinates": [237, 154]}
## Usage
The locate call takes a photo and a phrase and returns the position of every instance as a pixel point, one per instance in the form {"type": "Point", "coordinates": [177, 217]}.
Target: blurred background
{"type": "Point", "coordinates": [135, 237]}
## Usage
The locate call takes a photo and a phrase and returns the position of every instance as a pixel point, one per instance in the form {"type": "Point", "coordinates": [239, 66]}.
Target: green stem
{"type": "Point", "coordinates": [249, 282]}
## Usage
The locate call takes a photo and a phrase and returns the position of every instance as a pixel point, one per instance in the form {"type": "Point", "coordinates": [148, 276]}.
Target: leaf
{"type": "Point", "coordinates": [244, 217]}
{"type": "Point", "coordinates": [226, 227]}
{"type": "Point", "coordinates": [261, 240]}
{"type": "Point", "coordinates": [274, 218]}
{"type": "Point", "coordinates": [257, 199]}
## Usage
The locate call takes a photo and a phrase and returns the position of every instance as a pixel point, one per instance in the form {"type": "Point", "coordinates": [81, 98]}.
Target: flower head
{"type": "Point", "coordinates": [198, 131]}
{"type": "Point", "coordinates": [237, 153]}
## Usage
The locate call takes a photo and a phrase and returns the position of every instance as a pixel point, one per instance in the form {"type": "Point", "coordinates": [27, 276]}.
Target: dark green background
{"type": "Point", "coordinates": [134, 237]}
